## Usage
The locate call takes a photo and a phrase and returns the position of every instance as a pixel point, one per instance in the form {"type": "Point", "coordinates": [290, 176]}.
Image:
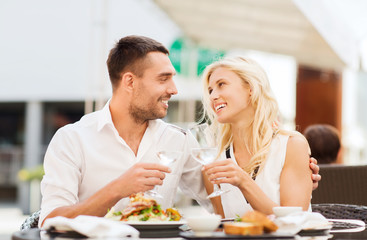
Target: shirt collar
{"type": "Point", "coordinates": [105, 117]}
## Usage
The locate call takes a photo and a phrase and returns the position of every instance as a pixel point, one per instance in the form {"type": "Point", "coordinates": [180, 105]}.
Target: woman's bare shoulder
{"type": "Point", "coordinates": [297, 147]}
{"type": "Point", "coordinates": [297, 139]}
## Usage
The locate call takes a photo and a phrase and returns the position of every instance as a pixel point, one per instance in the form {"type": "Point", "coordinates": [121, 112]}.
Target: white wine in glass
{"type": "Point", "coordinates": [207, 152]}
{"type": "Point", "coordinates": [204, 155]}
{"type": "Point", "coordinates": [166, 157]}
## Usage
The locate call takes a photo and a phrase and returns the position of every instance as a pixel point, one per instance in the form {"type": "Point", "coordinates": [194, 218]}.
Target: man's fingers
{"type": "Point", "coordinates": [154, 174]}
{"type": "Point", "coordinates": [313, 160]}
{"type": "Point", "coordinates": [155, 166]}
{"type": "Point", "coordinates": [315, 168]}
{"type": "Point", "coordinates": [153, 181]}
{"type": "Point", "coordinates": [315, 185]}
{"type": "Point", "coordinates": [316, 177]}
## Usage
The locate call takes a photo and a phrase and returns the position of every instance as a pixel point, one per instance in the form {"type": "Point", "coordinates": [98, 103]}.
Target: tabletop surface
{"type": "Point", "coordinates": [34, 234]}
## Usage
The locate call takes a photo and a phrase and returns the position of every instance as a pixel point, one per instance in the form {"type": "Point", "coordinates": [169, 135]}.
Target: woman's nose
{"type": "Point", "coordinates": [213, 95]}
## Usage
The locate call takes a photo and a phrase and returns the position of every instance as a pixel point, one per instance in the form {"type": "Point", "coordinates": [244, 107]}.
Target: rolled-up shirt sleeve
{"type": "Point", "coordinates": [63, 173]}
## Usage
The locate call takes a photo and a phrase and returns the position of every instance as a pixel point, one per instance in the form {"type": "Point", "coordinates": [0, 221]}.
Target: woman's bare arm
{"type": "Point", "coordinates": [295, 181]}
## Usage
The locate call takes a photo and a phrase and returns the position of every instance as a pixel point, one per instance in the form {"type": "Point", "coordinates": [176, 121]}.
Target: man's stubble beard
{"type": "Point", "coordinates": [142, 115]}
{"type": "Point", "coordinates": [141, 111]}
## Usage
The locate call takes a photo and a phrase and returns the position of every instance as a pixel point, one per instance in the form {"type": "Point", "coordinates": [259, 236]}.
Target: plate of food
{"type": "Point", "coordinates": [147, 216]}
{"type": "Point", "coordinates": [251, 223]}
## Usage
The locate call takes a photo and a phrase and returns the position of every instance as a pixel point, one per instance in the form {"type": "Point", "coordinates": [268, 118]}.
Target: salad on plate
{"type": "Point", "coordinates": [141, 208]}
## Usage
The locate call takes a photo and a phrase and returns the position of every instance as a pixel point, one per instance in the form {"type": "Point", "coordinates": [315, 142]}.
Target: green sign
{"type": "Point", "coordinates": [191, 60]}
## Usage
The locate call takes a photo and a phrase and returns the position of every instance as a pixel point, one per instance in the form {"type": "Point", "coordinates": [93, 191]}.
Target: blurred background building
{"type": "Point", "coordinates": [53, 71]}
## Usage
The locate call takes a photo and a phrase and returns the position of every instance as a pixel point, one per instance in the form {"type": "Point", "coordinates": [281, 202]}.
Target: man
{"type": "Point", "coordinates": [324, 140]}
{"type": "Point", "coordinates": [97, 162]}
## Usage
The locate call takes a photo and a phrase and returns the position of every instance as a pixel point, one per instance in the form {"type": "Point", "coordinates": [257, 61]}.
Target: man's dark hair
{"type": "Point", "coordinates": [324, 141]}
{"type": "Point", "coordinates": [129, 54]}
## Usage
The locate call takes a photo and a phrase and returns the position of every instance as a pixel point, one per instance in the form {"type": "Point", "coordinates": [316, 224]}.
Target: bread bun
{"type": "Point", "coordinates": [259, 218]}
{"type": "Point", "coordinates": [242, 228]}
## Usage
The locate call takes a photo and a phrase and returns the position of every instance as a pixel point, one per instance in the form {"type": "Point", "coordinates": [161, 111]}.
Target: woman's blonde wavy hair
{"type": "Point", "coordinates": [264, 125]}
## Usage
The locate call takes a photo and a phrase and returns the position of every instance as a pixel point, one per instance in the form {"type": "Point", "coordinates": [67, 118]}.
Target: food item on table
{"type": "Point", "coordinates": [242, 228]}
{"type": "Point", "coordinates": [261, 219]}
{"type": "Point", "coordinates": [173, 214]}
{"type": "Point", "coordinates": [141, 208]}
{"type": "Point", "coordinates": [252, 223]}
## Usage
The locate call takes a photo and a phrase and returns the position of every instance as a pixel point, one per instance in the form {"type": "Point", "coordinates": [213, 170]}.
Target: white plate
{"type": "Point", "coordinates": [181, 222]}
{"type": "Point", "coordinates": [326, 226]}
{"type": "Point", "coordinates": [227, 220]}
{"type": "Point", "coordinates": [155, 225]}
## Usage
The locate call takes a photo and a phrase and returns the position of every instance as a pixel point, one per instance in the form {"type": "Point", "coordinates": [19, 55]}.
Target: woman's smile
{"type": "Point", "coordinates": [218, 107]}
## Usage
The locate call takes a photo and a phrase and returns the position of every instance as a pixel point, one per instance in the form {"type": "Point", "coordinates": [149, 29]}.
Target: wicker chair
{"type": "Point", "coordinates": [341, 184]}
{"type": "Point", "coordinates": [341, 211]}
{"type": "Point", "coordinates": [31, 221]}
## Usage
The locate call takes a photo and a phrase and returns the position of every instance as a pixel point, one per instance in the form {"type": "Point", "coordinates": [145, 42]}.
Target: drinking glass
{"type": "Point", "coordinates": [166, 157]}
{"type": "Point", "coordinates": [206, 152]}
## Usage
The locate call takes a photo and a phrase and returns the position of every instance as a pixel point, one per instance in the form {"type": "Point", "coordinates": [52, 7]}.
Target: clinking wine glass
{"type": "Point", "coordinates": [166, 157]}
{"type": "Point", "coordinates": [207, 152]}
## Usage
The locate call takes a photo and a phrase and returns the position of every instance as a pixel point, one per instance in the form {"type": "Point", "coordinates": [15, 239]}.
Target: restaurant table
{"type": "Point", "coordinates": [34, 234]}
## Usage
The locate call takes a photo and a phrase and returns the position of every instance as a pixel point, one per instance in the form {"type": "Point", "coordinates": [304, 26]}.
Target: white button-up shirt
{"type": "Point", "coordinates": [85, 156]}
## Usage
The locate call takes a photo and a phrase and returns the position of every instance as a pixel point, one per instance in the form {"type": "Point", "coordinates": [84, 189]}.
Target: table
{"type": "Point", "coordinates": [34, 234]}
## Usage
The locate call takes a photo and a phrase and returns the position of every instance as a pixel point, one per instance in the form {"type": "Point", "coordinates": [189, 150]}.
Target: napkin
{"type": "Point", "coordinates": [295, 222]}
{"type": "Point", "coordinates": [91, 226]}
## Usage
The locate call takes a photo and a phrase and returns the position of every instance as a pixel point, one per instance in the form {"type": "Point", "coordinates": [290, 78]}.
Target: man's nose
{"type": "Point", "coordinates": [172, 89]}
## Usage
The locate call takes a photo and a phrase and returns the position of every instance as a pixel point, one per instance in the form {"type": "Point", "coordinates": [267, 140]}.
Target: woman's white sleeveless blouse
{"type": "Point", "coordinates": [268, 179]}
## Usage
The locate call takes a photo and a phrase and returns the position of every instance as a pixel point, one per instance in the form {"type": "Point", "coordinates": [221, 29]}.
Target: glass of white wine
{"type": "Point", "coordinates": [166, 157]}
{"type": "Point", "coordinates": [206, 152]}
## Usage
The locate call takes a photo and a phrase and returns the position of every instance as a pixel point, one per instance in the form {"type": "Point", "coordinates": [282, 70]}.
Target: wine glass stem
{"type": "Point", "coordinates": [216, 188]}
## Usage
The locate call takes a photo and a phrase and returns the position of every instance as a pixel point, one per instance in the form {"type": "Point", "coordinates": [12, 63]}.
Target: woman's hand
{"type": "Point", "coordinates": [225, 171]}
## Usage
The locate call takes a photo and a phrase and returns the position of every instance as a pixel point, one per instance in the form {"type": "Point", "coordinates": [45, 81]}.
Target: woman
{"type": "Point", "coordinates": [264, 166]}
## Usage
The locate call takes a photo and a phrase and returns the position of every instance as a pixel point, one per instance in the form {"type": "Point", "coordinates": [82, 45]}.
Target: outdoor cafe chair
{"type": "Point", "coordinates": [341, 211]}
{"type": "Point", "coordinates": [343, 184]}
{"type": "Point", "coordinates": [31, 221]}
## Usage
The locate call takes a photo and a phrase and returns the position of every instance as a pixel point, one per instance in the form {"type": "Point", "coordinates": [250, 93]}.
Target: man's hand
{"type": "Point", "coordinates": [316, 177]}
{"type": "Point", "coordinates": [142, 177]}
{"type": "Point", "coordinates": [139, 178]}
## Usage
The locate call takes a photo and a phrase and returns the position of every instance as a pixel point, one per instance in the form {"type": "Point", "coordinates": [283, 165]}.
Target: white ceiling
{"type": "Point", "coordinates": [276, 26]}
